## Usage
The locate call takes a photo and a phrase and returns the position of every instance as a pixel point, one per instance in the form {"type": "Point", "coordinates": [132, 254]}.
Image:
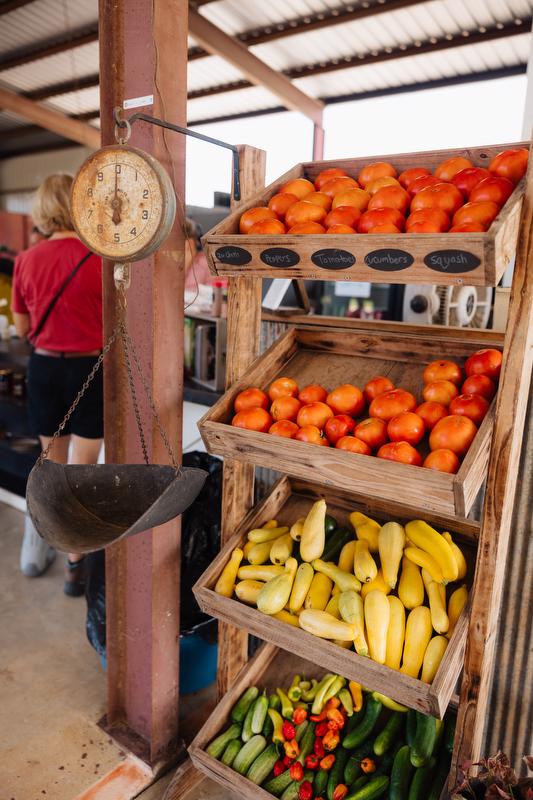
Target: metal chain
{"type": "Point", "coordinates": [133, 392]}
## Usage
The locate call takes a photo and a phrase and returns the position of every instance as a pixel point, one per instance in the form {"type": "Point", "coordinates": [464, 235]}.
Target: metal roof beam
{"type": "Point", "coordinates": [65, 87]}
{"type": "Point", "coordinates": [50, 47]}
{"type": "Point", "coordinates": [256, 71]}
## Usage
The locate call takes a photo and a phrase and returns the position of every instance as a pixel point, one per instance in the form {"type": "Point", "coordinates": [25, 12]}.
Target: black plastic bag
{"type": "Point", "coordinates": [95, 596]}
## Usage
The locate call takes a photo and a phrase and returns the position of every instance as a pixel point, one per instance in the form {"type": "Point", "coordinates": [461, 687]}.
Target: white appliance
{"type": "Point", "coordinates": [455, 306]}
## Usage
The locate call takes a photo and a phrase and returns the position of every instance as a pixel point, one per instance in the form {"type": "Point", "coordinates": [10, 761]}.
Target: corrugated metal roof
{"type": "Point", "coordinates": [75, 63]}
{"type": "Point", "coordinates": [44, 19]}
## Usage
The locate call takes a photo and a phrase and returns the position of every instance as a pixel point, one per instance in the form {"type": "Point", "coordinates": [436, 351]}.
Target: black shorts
{"type": "Point", "coordinates": [53, 383]}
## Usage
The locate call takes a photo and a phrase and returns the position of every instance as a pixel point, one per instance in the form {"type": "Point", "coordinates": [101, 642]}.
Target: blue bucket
{"type": "Point", "coordinates": [198, 660]}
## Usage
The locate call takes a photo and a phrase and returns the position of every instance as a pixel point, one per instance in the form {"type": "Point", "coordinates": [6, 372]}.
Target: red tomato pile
{"type": "Point", "coordinates": [458, 197]}
{"type": "Point", "coordinates": [382, 419]}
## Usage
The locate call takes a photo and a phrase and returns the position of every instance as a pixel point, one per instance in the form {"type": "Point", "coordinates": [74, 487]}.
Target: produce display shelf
{"type": "Point", "coordinates": [332, 357]}
{"type": "Point", "coordinates": [291, 499]}
{"type": "Point", "coordinates": [476, 259]}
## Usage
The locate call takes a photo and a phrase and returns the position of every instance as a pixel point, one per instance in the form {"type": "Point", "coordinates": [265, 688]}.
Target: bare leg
{"type": "Point", "coordinates": [59, 450]}
{"type": "Point", "coordinates": [84, 451]}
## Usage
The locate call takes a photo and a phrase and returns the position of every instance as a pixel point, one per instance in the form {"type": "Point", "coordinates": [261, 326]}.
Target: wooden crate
{"type": "Point", "coordinates": [476, 259]}
{"type": "Point", "coordinates": [289, 500]}
{"type": "Point", "coordinates": [332, 357]}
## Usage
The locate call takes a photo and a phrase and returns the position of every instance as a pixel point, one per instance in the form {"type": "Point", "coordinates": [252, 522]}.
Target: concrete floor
{"type": "Point", "coordinates": [52, 688]}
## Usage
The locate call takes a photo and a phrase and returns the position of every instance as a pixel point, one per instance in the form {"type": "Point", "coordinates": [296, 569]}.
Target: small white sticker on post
{"type": "Point", "coordinates": [137, 102]}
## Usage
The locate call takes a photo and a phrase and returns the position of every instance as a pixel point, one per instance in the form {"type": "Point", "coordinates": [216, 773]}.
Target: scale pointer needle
{"type": "Point", "coordinates": [116, 202]}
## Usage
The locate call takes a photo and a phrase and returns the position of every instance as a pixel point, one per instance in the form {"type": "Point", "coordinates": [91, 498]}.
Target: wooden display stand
{"type": "Point", "coordinates": [491, 533]}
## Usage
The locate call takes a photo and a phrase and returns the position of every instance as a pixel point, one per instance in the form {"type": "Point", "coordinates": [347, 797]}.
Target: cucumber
{"type": "Point", "coordinates": [449, 733]}
{"type": "Point", "coordinates": [361, 780]}
{"type": "Point", "coordinates": [278, 784]}
{"type": "Point", "coordinates": [422, 781]}
{"type": "Point", "coordinates": [307, 742]}
{"type": "Point", "coordinates": [376, 787]}
{"type": "Point", "coordinates": [385, 762]}
{"type": "Point", "coordinates": [335, 544]}
{"type": "Point", "coordinates": [218, 745]}
{"type": "Point", "coordinates": [352, 770]}
{"type": "Point", "coordinates": [259, 714]}
{"type": "Point", "coordinates": [240, 709]}
{"type": "Point", "coordinates": [400, 778]}
{"type": "Point", "coordinates": [353, 721]}
{"type": "Point", "coordinates": [385, 739]}
{"type": "Point", "coordinates": [300, 730]}
{"type": "Point", "coordinates": [231, 751]}
{"type": "Point", "coordinates": [410, 731]}
{"type": "Point", "coordinates": [263, 765]}
{"type": "Point", "coordinates": [440, 776]}
{"type": "Point", "coordinates": [425, 738]}
{"type": "Point", "coordinates": [248, 753]}
{"type": "Point", "coordinates": [320, 782]}
{"type": "Point", "coordinates": [247, 734]}
{"type": "Point", "coordinates": [336, 774]}
{"type": "Point", "coordinates": [366, 726]}
{"type": "Point", "coordinates": [291, 792]}
{"type": "Point", "coordinates": [268, 729]}
{"type": "Point", "coordinates": [330, 525]}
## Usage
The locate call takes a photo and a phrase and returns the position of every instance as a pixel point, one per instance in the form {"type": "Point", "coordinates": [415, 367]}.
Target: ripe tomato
{"type": "Point", "coordinates": [283, 387]}
{"type": "Point", "coordinates": [466, 179]}
{"type": "Point", "coordinates": [346, 399]}
{"type": "Point", "coordinates": [468, 227]}
{"type": "Point", "coordinates": [385, 227]}
{"type": "Point", "coordinates": [390, 197]}
{"type": "Point", "coordinates": [427, 220]}
{"type": "Point", "coordinates": [495, 189]}
{"type": "Point", "coordinates": [353, 445]}
{"type": "Point", "coordinates": [380, 183]}
{"type": "Point", "coordinates": [406, 427]}
{"type": "Point", "coordinates": [443, 371]}
{"type": "Point", "coordinates": [312, 435]}
{"type": "Point", "coordinates": [319, 199]}
{"type": "Point", "coordinates": [431, 412]}
{"type": "Point", "coordinates": [250, 398]}
{"type": "Point", "coordinates": [445, 196]}
{"type": "Point", "coordinates": [253, 419]}
{"type": "Point", "coordinates": [380, 169]}
{"type": "Point", "coordinates": [339, 426]}
{"type": "Point", "coordinates": [265, 226]}
{"type": "Point", "coordinates": [403, 452]}
{"type": "Point", "coordinates": [440, 392]}
{"type": "Point", "coordinates": [306, 227]}
{"type": "Point", "coordinates": [377, 385]}
{"type": "Point", "coordinates": [472, 406]}
{"type": "Point", "coordinates": [340, 229]}
{"type": "Point", "coordinates": [408, 176]}
{"type": "Point", "coordinates": [327, 175]}
{"type": "Point", "coordinates": [484, 362]}
{"type": "Point", "coordinates": [372, 431]}
{"type": "Point", "coordinates": [389, 404]}
{"type": "Point", "coordinates": [510, 164]}
{"type": "Point", "coordinates": [343, 215]}
{"type": "Point", "coordinates": [453, 433]}
{"type": "Point", "coordinates": [253, 215]}
{"type": "Point", "coordinates": [314, 414]}
{"type": "Point", "coordinates": [482, 212]}
{"type": "Point", "coordinates": [336, 185]}
{"type": "Point", "coordinates": [443, 460]}
{"type": "Point", "coordinates": [357, 198]}
{"type": "Point", "coordinates": [284, 428]}
{"type": "Point", "coordinates": [479, 384]}
{"type": "Point", "coordinates": [381, 216]}
{"type": "Point", "coordinates": [422, 183]}
{"type": "Point", "coordinates": [299, 186]}
{"type": "Point", "coordinates": [447, 169]}
{"type": "Point", "coordinates": [279, 203]}
{"type": "Point", "coordinates": [304, 211]}
{"type": "Point", "coordinates": [313, 393]}
{"type": "Point", "coordinates": [285, 408]}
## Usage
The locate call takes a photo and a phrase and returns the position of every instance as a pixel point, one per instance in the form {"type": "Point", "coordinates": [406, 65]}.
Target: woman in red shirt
{"type": "Point", "coordinates": [66, 346]}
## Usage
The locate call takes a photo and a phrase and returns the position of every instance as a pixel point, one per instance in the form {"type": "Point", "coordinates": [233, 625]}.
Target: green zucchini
{"type": "Point", "coordinates": [263, 765]}
{"type": "Point", "coordinates": [278, 784]}
{"type": "Point", "coordinates": [400, 778]}
{"type": "Point", "coordinates": [425, 738]}
{"type": "Point", "coordinates": [232, 748]}
{"type": "Point", "coordinates": [410, 731]}
{"type": "Point", "coordinates": [385, 739]}
{"type": "Point", "coordinates": [291, 792]}
{"type": "Point", "coordinates": [300, 730]}
{"type": "Point", "coordinates": [259, 715]}
{"type": "Point", "coordinates": [307, 742]}
{"type": "Point", "coordinates": [336, 773]}
{"type": "Point", "coordinates": [218, 745]}
{"type": "Point", "coordinates": [376, 787]}
{"type": "Point", "coordinates": [330, 525]}
{"type": "Point", "coordinates": [248, 753]}
{"type": "Point", "coordinates": [440, 777]}
{"type": "Point", "coordinates": [352, 770]}
{"type": "Point", "coordinates": [320, 783]}
{"type": "Point", "coordinates": [358, 735]}
{"type": "Point", "coordinates": [421, 782]}
{"type": "Point", "coordinates": [335, 543]}
{"type": "Point", "coordinates": [240, 709]}
{"type": "Point", "coordinates": [449, 733]}
{"type": "Point", "coordinates": [247, 733]}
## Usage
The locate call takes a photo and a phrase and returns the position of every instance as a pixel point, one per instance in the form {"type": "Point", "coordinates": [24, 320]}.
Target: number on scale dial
{"type": "Point", "coordinates": [123, 203]}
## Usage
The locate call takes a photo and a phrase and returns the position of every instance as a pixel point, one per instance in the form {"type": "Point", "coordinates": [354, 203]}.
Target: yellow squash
{"type": "Point", "coordinates": [391, 541]}
{"type": "Point", "coordinates": [275, 594]}
{"type": "Point", "coordinates": [333, 606]}
{"type": "Point", "coordinates": [377, 617]}
{"type": "Point", "coordinates": [272, 523]}
{"type": "Point", "coordinates": [262, 572]}
{"type": "Point", "coordinates": [458, 555]}
{"type": "Point", "coordinates": [351, 609]}
{"type": "Point", "coordinates": [282, 549]}
{"type": "Point", "coordinates": [319, 592]}
{"type": "Point", "coordinates": [248, 590]}
{"type": "Point", "coordinates": [366, 528]}
{"type": "Point", "coordinates": [297, 529]}
{"type": "Point", "coordinates": [314, 532]}
{"type": "Point", "coordinates": [432, 658]}
{"type": "Point", "coordinates": [431, 541]}
{"type": "Point", "coordinates": [302, 584]}
{"type": "Point", "coordinates": [344, 580]}
{"type": "Point", "coordinates": [377, 583]}
{"type": "Point", "coordinates": [258, 535]}
{"type": "Point", "coordinates": [395, 633]}
{"type": "Point", "coordinates": [290, 619]}
{"type": "Point", "coordinates": [364, 566]}
{"type": "Point", "coordinates": [246, 549]}
{"type": "Point", "coordinates": [427, 562]}
{"type": "Point", "coordinates": [346, 558]}
{"type": "Point", "coordinates": [418, 632]}
{"type": "Point", "coordinates": [411, 586]}
{"type": "Point", "coordinates": [259, 553]}
{"type": "Point", "coordinates": [456, 604]}
{"type": "Point", "coordinates": [325, 625]}
{"type": "Point", "coordinates": [437, 607]}
{"type": "Point", "coordinates": [228, 576]}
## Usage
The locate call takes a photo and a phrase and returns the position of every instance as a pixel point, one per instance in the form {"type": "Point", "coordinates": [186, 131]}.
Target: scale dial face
{"type": "Point", "coordinates": [122, 203]}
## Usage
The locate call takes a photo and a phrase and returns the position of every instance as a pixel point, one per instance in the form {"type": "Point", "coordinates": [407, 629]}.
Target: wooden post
{"type": "Point", "coordinates": [143, 51]}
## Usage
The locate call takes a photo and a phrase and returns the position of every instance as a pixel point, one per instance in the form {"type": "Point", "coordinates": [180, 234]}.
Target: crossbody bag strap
{"type": "Point", "coordinates": [55, 298]}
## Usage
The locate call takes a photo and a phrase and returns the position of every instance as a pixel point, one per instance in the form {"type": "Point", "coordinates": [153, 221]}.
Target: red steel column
{"type": "Point", "coordinates": [143, 51]}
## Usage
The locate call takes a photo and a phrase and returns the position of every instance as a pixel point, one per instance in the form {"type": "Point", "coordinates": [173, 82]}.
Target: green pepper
{"type": "Point", "coordinates": [287, 707]}
{"type": "Point", "coordinates": [274, 702]}
{"type": "Point", "coordinates": [334, 687]}
{"type": "Point", "coordinates": [309, 694]}
{"type": "Point", "coordinates": [294, 692]}
{"type": "Point", "coordinates": [346, 699]}
{"type": "Point", "coordinates": [277, 722]}
{"type": "Point", "coordinates": [305, 685]}
{"type": "Point", "coordinates": [323, 686]}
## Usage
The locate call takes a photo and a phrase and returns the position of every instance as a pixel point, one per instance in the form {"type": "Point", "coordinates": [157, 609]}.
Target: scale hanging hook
{"type": "Point", "coordinates": [121, 123]}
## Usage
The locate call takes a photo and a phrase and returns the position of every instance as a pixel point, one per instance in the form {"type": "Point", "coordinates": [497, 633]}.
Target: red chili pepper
{"type": "Point", "coordinates": [318, 717]}
{"type": "Point", "coordinates": [327, 762]}
{"type": "Point", "coordinates": [299, 715]}
{"type": "Point", "coordinates": [321, 729]}
{"type": "Point", "coordinates": [305, 792]}
{"type": "Point", "coordinates": [296, 771]}
{"type": "Point", "coordinates": [340, 792]}
{"type": "Point", "coordinates": [331, 740]}
{"type": "Point", "coordinates": [312, 761]}
{"type": "Point", "coordinates": [279, 767]}
{"type": "Point", "coordinates": [318, 748]}
{"type": "Point", "coordinates": [287, 760]}
{"type": "Point", "coordinates": [288, 730]}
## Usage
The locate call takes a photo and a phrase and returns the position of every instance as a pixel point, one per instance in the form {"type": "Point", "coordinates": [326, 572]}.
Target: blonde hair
{"type": "Point", "coordinates": [51, 207]}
